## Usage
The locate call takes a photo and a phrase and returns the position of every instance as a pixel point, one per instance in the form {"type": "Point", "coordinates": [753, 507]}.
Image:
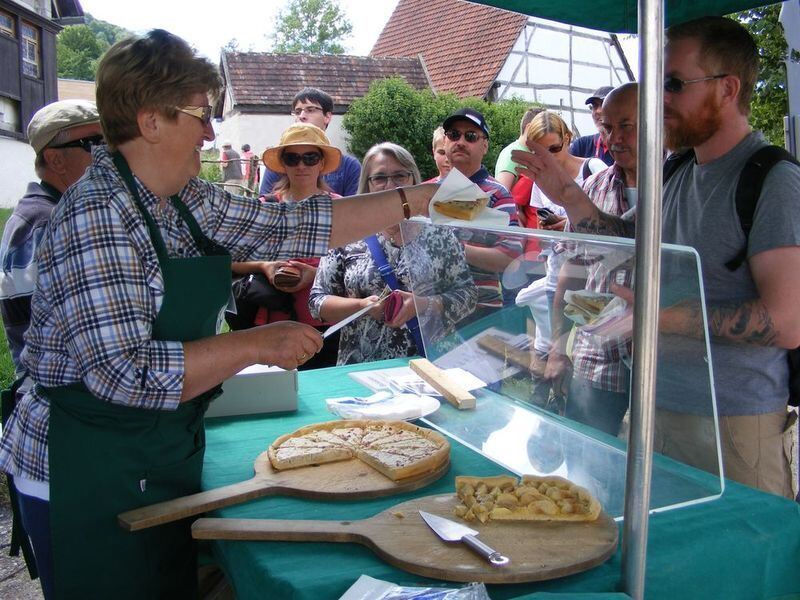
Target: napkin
{"type": "Point", "coordinates": [383, 405]}
{"type": "Point", "coordinates": [456, 186]}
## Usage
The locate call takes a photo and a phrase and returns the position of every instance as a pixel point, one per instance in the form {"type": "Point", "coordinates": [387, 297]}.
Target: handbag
{"type": "Point", "coordinates": [257, 290]}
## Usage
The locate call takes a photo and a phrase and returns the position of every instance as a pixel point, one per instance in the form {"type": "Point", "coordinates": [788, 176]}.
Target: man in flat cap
{"type": "Point", "coordinates": [62, 134]}
{"type": "Point", "coordinates": [589, 146]}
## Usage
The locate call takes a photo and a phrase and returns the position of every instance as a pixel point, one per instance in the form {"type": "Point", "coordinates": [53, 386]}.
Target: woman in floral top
{"type": "Point", "coordinates": [430, 260]}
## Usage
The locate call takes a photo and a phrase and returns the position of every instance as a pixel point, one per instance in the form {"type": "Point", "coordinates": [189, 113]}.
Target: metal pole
{"type": "Point", "coordinates": [648, 279]}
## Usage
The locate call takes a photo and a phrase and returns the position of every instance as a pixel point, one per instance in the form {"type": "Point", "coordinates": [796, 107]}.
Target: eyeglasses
{"type": "Point", "coordinates": [381, 180]}
{"type": "Point", "coordinates": [469, 136]}
{"type": "Point", "coordinates": [673, 85]}
{"type": "Point", "coordinates": [306, 109]}
{"type": "Point", "coordinates": [292, 159]}
{"type": "Point", "coordinates": [200, 112]}
{"type": "Point", "coordinates": [555, 149]}
{"type": "Point", "coordinates": [86, 143]}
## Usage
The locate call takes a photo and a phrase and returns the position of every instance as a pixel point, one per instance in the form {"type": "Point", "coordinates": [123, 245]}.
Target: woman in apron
{"type": "Point", "coordinates": [134, 275]}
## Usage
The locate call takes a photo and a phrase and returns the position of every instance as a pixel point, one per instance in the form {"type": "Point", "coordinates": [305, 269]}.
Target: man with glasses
{"type": "Point", "coordinates": [311, 105]}
{"type": "Point", "coordinates": [466, 143]}
{"type": "Point", "coordinates": [594, 145]}
{"type": "Point", "coordinates": [62, 134]}
{"type": "Point", "coordinates": [711, 67]}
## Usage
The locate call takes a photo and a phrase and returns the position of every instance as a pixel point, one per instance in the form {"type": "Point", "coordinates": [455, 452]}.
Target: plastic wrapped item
{"type": "Point", "coordinates": [369, 588]}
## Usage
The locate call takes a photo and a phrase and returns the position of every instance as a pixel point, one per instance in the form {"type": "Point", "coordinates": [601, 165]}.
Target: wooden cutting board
{"type": "Point", "coordinates": [345, 480]}
{"type": "Point", "coordinates": [538, 549]}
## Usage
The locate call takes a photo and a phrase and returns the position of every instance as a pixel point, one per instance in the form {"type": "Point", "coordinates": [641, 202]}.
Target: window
{"type": "Point", "coordinates": [9, 115]}
{"type": "Point", "coordinates": [7, 25]}
{"type": "Point", "coordinates": [30, 50]}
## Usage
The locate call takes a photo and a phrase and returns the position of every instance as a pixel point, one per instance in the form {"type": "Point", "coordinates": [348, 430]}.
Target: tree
{"type": "Point", "coordinates": [79, 47]}
{"type": "Point", "coordinates": [77, 52]}
{"type": "Point", "coordinates": [311, 26]}
{"type": "Point", "coordinates": [394, 111]}
{"type": "Point", "coordinates": [770, 97]}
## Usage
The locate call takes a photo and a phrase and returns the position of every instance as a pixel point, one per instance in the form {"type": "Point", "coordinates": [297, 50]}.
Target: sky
{"type": "Point", "coordinates": [208, 25]}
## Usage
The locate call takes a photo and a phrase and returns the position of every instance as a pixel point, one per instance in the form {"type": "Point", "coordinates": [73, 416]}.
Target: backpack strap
{"type": "Point", "coordinates": [748, 190]}
{"type": "Point", "coordinates": [675, 161]}
{"type": "Point", "coordinates": [586, 170]}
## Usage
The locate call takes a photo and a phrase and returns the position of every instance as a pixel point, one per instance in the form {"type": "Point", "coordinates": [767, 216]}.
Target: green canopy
{"type": "Point", "coordinates": [618, 16]}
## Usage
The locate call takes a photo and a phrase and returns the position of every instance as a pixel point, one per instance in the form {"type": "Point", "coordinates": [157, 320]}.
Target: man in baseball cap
{"type": "Point", "coordinates": [62, 134]}
{"type": "Point", "coordinates": [594, 145]}
{"type": "Point", "coordinates": [466, 142]}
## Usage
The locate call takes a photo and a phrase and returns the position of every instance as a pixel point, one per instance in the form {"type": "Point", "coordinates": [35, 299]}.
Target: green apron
{"type": "Point", "coordinates": [107, 458]}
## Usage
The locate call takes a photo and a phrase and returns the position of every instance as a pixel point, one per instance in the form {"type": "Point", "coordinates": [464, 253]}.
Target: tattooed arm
{"type": "Point", "coordinates": [557, 184]}
{"type": "Point", "coordinates": [772, 319]}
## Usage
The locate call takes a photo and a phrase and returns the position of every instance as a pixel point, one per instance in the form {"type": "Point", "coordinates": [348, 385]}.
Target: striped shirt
{"type": "Point", "coordinates": [489, 288]}
{"type": "Point", "coordinates": [100, 289]}
{"type": "Point", "coordinates": [601, 360]}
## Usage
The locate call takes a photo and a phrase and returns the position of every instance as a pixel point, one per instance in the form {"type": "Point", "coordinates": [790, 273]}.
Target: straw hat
{"type": "Point", "coordinates": [303, 134]}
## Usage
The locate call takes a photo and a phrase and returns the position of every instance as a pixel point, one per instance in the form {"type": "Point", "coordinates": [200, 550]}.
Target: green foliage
{"type": "Point", "coordinates": [312, 27]}
{"type": "Point", "coordinates": [6, 365]}
{"type": "Point", "coordinates": [210, 171]}
{"type": "Point", "coordinates": [79, 47]}
{"type": "Point", "coordinates": [394, 111]}
{"type": "Point", "coordinates": [770, 98]}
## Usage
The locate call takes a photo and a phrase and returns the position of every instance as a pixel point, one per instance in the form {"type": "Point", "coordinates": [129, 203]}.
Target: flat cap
{"type": "Point", "coordinates": [53, 118]}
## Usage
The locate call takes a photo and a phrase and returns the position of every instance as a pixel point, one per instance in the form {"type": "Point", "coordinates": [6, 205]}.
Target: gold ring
{"type": "Point", "coordinates": [302, 358]}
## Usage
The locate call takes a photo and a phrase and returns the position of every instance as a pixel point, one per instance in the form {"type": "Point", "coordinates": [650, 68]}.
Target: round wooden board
{"type": "Point", "coordinates": [538, 550]}
{"type": "Point", "coordinates": [343, 480]}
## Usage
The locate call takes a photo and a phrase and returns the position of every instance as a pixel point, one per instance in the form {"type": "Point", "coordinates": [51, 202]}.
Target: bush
{"type": "Point", "coordinates": [210, 171]}
{"type": "Point", "coordinates": [394, 111]}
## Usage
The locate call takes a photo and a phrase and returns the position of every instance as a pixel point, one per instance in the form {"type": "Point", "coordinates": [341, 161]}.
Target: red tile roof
{"type": "Point", "coordinates": [264, 82]}
{"type": "Point", "coordinates": [463, 45]}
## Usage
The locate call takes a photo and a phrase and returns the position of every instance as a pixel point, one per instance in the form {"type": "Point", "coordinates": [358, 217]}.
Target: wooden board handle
{"type": "Point", "coordinates": [187, 506]}
{"type": "Point", "coordinates": [278, 530]}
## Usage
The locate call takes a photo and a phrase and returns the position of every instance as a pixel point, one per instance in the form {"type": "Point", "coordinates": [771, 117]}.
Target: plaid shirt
{"type": "Point", "coordinates": [100, 289]}
{"type": "Point", "coordinates": [601, 360]}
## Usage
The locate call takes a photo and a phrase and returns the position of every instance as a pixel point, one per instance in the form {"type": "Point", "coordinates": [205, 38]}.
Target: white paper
{"type": "Point", "coordinates": [400, 407]}
{"type": "Point", "coordinates": [456, 186]}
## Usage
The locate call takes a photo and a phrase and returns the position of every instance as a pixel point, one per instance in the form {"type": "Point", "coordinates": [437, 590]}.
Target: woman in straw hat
{"type": "Point", "coordinates": [352, 277]}
{"type": "Point", "coordinates": [123, 347]}
{"type": "Point", "coordinates": [302, 157]}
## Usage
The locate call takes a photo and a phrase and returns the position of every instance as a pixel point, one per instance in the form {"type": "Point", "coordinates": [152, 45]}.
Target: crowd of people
{"type": "Point", "coordinates": [118, 267]}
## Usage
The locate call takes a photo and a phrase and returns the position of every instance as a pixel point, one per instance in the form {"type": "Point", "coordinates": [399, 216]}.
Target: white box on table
{"type": "Point", "coordinates": [254, 390]}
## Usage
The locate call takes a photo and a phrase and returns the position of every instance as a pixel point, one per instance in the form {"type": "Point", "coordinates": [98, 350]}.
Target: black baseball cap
{"type": "Point", "coordinates": [467, 114]}
{"type": "Point", "coordinates": [599, 94]}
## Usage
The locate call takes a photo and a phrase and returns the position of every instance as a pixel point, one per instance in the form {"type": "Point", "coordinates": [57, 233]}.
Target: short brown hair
{"type": "Point", "coordinates": [528, 117]}
{"type": "Point", "coordinates": [725, 48]}
{"type": "Point", "coordinates": [157, 71]}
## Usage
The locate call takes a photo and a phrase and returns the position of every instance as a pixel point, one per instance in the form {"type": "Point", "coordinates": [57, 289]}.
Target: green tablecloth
{"type": "Point", "coordinates": [744, 545]}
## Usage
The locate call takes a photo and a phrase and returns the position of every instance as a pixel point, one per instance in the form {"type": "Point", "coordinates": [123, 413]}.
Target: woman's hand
{"type": "Point", "coordinates": [419, 197]}
{"type": "Point", "coordinates": [407, 310]}
{"type": "Point", "coordinates": [377, 311]}
{"type": "Point", "coordinates": [285, 344]}
{"type": "Point", "coordinates": [306, 273]}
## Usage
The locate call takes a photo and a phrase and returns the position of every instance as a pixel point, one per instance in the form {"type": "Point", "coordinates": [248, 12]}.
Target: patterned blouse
{"type": "Point", "coordinates": [432, 264]}
{"type": "Point", "coordinates": [100, 288]}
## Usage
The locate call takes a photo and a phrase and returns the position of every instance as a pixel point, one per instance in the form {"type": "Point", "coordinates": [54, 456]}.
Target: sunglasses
{"type": "Point", "coordinates": [469, 136]}
{"type": "Point", "coordinates": [555, 149]}
{"type": "Point", "coordinates": [200, 112]}
{"type": "Point", "coordinates": [382, 180]}
{"type": "Point", "coordinates": [292, 159]}
{"type": "Point", "coordinates": [673, 85]}
{"type": "Point", "coordinates": [86, 143]}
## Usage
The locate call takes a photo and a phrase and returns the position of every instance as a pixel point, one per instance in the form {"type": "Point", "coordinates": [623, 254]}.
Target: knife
{"type": "Point", "coordinates": [337, 326]}
{"type": "Point", "coordinates": [450, 531]}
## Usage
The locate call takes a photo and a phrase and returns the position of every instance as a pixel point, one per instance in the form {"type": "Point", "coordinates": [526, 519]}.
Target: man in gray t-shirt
{"type": "Point", "coordinates": [711, 65]}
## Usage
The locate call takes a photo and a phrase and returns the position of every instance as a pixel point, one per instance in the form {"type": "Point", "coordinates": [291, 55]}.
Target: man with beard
{"type": "Point", "coordinates": [711, 65]}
